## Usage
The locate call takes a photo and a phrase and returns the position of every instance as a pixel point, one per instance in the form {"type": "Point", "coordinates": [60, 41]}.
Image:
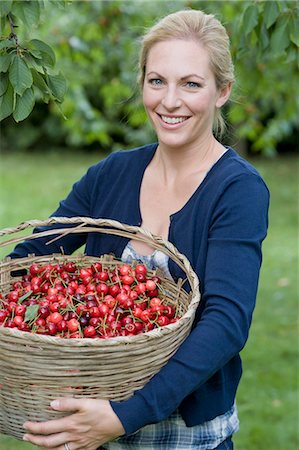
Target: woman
{"type": "Point", "coordinates": [213, 206]}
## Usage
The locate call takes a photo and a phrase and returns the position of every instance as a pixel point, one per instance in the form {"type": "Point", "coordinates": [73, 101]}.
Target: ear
{"type": "Point", "coordinates": [223, 95]}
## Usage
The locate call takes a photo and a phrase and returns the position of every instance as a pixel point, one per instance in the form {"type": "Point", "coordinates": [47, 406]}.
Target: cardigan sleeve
{"type": "Point", "coordinates": [237, 228]}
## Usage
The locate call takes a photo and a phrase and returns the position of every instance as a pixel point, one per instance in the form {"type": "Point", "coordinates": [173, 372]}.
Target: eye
{"type": "Point", "coordinates": [193, 85]}
{"type": "Point", "coordinates": [155, 81]}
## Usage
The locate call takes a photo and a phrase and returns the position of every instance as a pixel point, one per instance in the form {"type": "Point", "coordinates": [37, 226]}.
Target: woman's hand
{"type": "Point", "coordinates": [90, 424]}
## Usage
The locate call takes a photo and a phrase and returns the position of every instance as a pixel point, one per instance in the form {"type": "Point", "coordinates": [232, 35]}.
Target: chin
{"type": "Point", "coordinates": [175, 142]}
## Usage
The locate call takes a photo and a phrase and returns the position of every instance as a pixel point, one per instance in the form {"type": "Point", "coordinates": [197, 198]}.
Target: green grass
{"type": "Point", "coordinates": [268, 394]}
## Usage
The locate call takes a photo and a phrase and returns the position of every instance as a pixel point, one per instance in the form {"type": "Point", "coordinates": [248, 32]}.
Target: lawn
{"type": "Point", "coordinates": [268, 402]}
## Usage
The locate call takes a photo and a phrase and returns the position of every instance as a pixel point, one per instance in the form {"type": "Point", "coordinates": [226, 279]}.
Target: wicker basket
{"type": "Point", "coordinates": [36, 369]}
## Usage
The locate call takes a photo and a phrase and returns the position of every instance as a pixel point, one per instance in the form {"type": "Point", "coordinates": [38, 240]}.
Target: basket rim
{"type": "Point", "coordinates": [87, 224]}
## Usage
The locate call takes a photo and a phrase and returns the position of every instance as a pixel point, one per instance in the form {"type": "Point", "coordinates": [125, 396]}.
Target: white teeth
{"type": "Point", "coordinates": [173, 119]}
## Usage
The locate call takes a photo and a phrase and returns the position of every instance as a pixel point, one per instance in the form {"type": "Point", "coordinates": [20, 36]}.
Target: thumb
{"type": "Point", "coordinates": [66, 404]}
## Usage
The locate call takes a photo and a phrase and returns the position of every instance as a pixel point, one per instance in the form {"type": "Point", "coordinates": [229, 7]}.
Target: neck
{"type": "Point", "coordinates": [188, 160]}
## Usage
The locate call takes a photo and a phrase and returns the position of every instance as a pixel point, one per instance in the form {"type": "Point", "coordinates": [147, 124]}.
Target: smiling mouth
{"type": "Point", "coordinates": [173, 120]}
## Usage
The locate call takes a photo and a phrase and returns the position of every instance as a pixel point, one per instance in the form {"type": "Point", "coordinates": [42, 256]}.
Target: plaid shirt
{"type": "Point", "coordinates": [173, 434]}
{"type": "Point", "coordinates": [157, 259]}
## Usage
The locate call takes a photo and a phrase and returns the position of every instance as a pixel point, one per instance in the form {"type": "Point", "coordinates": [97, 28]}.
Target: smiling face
{"type": "Point", "coordinates": [180, 94]}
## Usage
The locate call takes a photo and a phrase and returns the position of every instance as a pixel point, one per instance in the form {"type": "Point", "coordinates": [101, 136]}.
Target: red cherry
{"type": "Point", "coordinates": [89, 331]}
{"type": "Point", "coordinates": [140, 288]}
{"type": "Point", "coordinates": [150, 285]}
{"type": "Point", "coordinates": [114, 290]}
{"type": "Point", "coordinates": [40, 322]}
{"type": "Point", "coordinates": [96, 267]}
{"type": "Point", "coordinates": [55, 317]}
{"type": "Point", "coordinates": [61, 326]}
{"type": "Point", "coordinates": [51, 328]}
{"type": "Point", "coordinates": [34, 269]}
{"type": "Point", "coordinates": [102, 289]}
{"type": "Point", "coordinates": [18, 320]}
{"type": "Point", "coordinates": [95, 311]}
{"type": "Point", "coordinates": [13, 296]}
{"type": "Point", "coordinates": [102, 276]}
{"type": "Point", "coordinates": [162, 321]}
{"type": "Point", "coordinates": [155, 301]}
{"type": "Point", "coordinates": [110, 301]}
{"type": "Point", "coordinates": [127, 280]}
{"type": "Point", "coordinates": [20, 310]}
{"type": "Point", "coordinates": [3, 315]}
{"type": "Point", "coordinates": [69, 267]}
{"type": "Point", "coordinates": [94, 321]}
{"type": "Point", "coordinates": [103, 309]}
{"type": "Point", "coordinates": [73, 325]}
{"type": "Point", "coordinates": [140, 268]}
{"type": "Point", "coordinates": [43, 312]}
{"type": "Point", "coordinates": [140, 277]}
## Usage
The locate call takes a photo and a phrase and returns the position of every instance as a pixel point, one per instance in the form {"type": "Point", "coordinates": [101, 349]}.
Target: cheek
{"type": "Point", "coordinates": [150, 99]}
{"type": "Point", "coordinates": [202, 104]}
{"type": "Point", "coordinates": [147, 101]}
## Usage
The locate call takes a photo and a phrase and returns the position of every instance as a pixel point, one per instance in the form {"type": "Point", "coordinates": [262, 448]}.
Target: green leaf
{"type": "Point", "coordinates": [264, 37]}
{"type": "Point", "coordinates": [28, 12]}
{"type": "Point", "coordinates": [58, 105]}
{"type": "Point", "coordinates": [7, 43]}
{"type": "Point", "coordinates": [57, 84]}
{"type": "Point", "coordinates": [3, 83]}
{"type": "Point", "coordinates": [60, 3]}
{"type": "Point", "coordinates": [5, 61]}
{"type": "Point", "coordinates": [20, 75]}
{"type": "Point", "coordinates": [291, 56]}
{"type": "Point", "coordinates": [7, 102]}
{"type": "Point", "coordinates": [39, 82]}
{"type": "Point", "coordinates": [31, 313]}
{"type": "Point", "coordinates": [5, 7]}
{"type": "Point", "coordinates": [250, 19]}
{"type": "Point", "coordinates": [24, 296]}
{"type": "Point", "coordinates": [35, 54]}
{"type": "Point", "coordinates": [271, 13]}
{"type": "Point", "coordinates": [280, 36]}
{"type": "Point", "coordinates": [46, 51]}
{"type": "Point", "coordinates": [24, 105]}
{"type": "Point", "coordinates": [34, 63]}
{"type": "Point", "coordinates": [3, 24]}
{"type": "Point", "coordinates": [294, 31]}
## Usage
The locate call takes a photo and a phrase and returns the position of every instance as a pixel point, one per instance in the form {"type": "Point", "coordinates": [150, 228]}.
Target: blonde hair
{"type": "Point", "coordinates": [203, 28]}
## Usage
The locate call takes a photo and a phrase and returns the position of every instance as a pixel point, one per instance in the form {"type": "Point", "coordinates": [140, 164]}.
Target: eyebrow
{"type": "Point", "coordinates": [191, 75]}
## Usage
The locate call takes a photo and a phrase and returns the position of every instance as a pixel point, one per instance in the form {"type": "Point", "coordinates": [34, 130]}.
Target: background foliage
{"type": "Point", "coordinates": [94, 45]}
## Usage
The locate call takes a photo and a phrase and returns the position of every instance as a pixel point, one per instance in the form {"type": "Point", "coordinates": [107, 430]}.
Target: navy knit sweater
{"type": "Point", "coordinates": [220, 229]}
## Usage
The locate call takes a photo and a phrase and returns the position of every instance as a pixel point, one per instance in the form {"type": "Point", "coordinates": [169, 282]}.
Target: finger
{"type": "Point", "coordinates": [54, 441]}
{"type": "Point", "coordinates": [67, 404]}
{"type": "Point", "coordinates": [56, 425]}
{"type": "Point", "coordinates": [47, 428]}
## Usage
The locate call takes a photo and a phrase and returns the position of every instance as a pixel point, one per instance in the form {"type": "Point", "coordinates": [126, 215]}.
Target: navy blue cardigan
{"type": "Point", "coordinates": [220, 229]}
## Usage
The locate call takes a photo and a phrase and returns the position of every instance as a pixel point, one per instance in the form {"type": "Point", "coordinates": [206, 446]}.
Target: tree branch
{"type": "Point", "coordinates": [13, 34]}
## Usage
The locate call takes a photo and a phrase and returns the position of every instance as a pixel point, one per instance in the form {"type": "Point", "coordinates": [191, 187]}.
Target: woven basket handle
{"type": "Point", "coordinates": [107, 226]}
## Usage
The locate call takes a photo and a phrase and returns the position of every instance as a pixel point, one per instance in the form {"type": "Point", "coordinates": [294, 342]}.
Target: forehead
{"type": "Point", "coordinates": [178, 55]}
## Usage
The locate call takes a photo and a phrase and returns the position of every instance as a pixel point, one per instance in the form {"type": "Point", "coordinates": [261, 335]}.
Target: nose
{"type": "Point", "coordinates": [171, 99]}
